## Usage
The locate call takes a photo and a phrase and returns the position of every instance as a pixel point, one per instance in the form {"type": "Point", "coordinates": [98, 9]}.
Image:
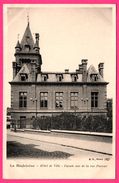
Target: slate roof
{"type": "Point", "coordinates": [23, 70]}
{"type": "Point", "coordinates": [53, 76]}
{"type": "Point", "coordinates": [27, 40]}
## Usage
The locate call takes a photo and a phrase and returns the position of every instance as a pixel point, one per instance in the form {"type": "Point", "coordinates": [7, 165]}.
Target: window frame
{"type": "Point", "coordinates": [74, 99]}
{"type": "Point", "coordinates": [74, 78]}
{"type": "Point", "coordinates": [94, 77]}
{"type": "Point", "coordinates": [59, 100]}
{"type": "Point", "coordinates": [43, 102]}
{"type": "Point", "coordinates": [59, 77]}
{"type": "Point", "coordinates": [44, 78]}
{"type": "Point", "coordinates": [94, 99]}
{"type": "Point", "coordinates": [22, 99]}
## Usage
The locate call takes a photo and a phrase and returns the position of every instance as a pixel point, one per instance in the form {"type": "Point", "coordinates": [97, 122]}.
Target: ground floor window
{"type": "Point", "coordinates": [59, 100]}
{"type": "Point", "coordinates": [74, 99]}
{"type": "Point", "coordinates": [43, 99]}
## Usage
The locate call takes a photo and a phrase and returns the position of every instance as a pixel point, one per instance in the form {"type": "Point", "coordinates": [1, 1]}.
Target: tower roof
{"type": "Point", "coordinates": [27, 39]}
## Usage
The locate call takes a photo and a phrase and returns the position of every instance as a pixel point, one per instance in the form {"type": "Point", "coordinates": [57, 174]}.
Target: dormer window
{"type": "Point", "coordinates": [27, 48]}
{"type": "Point", "coordinates": [94, 77]}
{"type": "Point", "coordinates": [24, 77]}
{"type": "Point", "coordinates": [59, 77]}
{"type": "Point", "coordinates": [74, 77]}
{"type": "Point", "coordinates": [44, 77]}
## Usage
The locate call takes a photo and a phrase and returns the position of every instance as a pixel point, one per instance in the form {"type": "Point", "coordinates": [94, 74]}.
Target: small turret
{"type": "Point", "coordinates": [36, 45]}
{"type": "Point", "coordinates": [14, 69]}
{"type": "Point", "coordinates": [18, 47]}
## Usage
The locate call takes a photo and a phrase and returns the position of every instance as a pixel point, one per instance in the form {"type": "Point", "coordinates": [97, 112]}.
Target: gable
{"type": "Point", "coordinates": [93, 75]}
{"type": "Point", "coordinates": [24, 71]}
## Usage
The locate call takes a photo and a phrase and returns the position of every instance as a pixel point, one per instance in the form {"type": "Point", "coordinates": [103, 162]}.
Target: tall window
{"type": "Point", "coordinates": [43, 99]}
{"type": "Point", "coordinates": [94, 99]}
{"type": "Point", "coordinates": [74, 99]}
{"type": "Point", "coordinates": [22, 99]}
{"type": "Point", "coordinates": [59, 100]}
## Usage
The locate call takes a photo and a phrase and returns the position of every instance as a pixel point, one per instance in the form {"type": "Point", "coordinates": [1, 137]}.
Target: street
{"type": "Point", "coordinates": [21, 147]}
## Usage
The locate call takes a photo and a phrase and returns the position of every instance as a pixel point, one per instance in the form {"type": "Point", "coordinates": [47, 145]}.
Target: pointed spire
{"type": "Point", "coordinates": [18, 36]}
{"type": "Point", "coordinates": [28, 16]}
{"type": "Point", "coordinates": [27, 39]}
{"type": "Point", "coordinates": [18, 45]}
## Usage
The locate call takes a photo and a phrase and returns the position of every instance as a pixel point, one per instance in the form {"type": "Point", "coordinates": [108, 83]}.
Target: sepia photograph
{"type": "Point", "coordinates": [59, 91]}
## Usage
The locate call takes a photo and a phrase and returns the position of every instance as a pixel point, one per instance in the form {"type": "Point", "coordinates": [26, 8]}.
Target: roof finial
{"type": "Point", "coordinates": [28, 17]}
{"type": "Point", "coordinates": [18, 36]}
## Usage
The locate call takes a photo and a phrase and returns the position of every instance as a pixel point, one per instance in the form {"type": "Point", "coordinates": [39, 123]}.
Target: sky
{"type": "Point", "coordinates": [68, 33]}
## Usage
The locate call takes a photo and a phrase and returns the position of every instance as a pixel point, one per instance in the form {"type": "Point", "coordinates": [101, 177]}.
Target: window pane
{"type": "Point", "coordinates": [43, 99]}
{"type": "Point", "coordinates": [57, 94]}
{"type": "Point", "coordinates": [25, 103]}
{"type": "Point", "coordinates": [41, 94]}
{"type": "Point", "coordinates": [22, 99]}
{"type": "Point", "coordinates": [59, 100]}
{"type": "Point", "coordinates": [94, 99]}
{"type": "Point", "coordinates": [61, 94]}
{"type": "Point", "coordinates": [41, 103]}
{"type": "Point", "coordinates": [74, 99]}
{"type": "Point", "coordinates": [45, 103]}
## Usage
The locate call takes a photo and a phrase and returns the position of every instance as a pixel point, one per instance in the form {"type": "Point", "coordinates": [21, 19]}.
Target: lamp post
{"type": "Point", "coordinates": [35, 100]}
{"type": "Point", "coordinates": [87, 103]}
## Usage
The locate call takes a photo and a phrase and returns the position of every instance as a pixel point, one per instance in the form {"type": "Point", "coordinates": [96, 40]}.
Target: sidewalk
{"type": "Point", "coordinates": [94, 146]}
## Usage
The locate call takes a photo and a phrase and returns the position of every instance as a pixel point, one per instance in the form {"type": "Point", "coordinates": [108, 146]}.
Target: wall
{"type": "Point", "coordinates": [84, 100]}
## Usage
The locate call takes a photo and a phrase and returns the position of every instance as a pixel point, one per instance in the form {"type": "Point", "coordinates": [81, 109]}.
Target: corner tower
{"type": "Point", "coordinates": [28, 52]}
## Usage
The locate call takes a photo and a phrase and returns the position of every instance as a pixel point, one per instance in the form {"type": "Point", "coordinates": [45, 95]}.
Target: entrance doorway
{"type": "Point", "coordinates": [22, 121]}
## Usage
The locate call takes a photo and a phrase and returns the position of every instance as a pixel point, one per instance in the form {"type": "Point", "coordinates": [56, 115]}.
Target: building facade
{"type": "Point", "coordinates": [35, 93]}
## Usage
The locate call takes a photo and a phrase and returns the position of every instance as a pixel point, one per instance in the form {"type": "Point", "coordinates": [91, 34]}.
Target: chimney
{"type": "Point", "coordinates": [66, 70]}
{"type": "Point", "coordinates": [77, 70]}
{"type": "Point", "coordinates": [33, 71]}
{"type": "Point", "coordinates": [36, 46]}
{"type": "Point", "coordinates": [84, 63]}
{"type": "Point", "coordinates": [14, 69]}
{"type": "Point", "coordinates": [80, 68]}
{"type": "Point", "coordinates": [84, 69]}
{"type": "Point", "coordinates": [100, 68]}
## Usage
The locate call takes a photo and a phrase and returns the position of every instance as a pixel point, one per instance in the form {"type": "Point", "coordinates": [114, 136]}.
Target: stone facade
{"type": "Point", "coordinates": [35, 93]}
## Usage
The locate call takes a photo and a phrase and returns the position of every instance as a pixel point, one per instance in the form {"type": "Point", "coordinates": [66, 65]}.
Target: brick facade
{"type": "Point", "coordinates": [29, 82]}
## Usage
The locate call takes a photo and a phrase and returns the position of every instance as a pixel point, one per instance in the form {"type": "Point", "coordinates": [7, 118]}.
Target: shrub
{"type": "Point", "coordinates": [71, 121]}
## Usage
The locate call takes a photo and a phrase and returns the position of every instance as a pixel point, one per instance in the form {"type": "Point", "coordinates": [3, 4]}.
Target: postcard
{"type": "Point", "coordinates": [59, 68]}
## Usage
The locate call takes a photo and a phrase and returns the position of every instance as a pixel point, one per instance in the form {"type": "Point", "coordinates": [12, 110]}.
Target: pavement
{"type": "Point", "coordinates": [84, 144]}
